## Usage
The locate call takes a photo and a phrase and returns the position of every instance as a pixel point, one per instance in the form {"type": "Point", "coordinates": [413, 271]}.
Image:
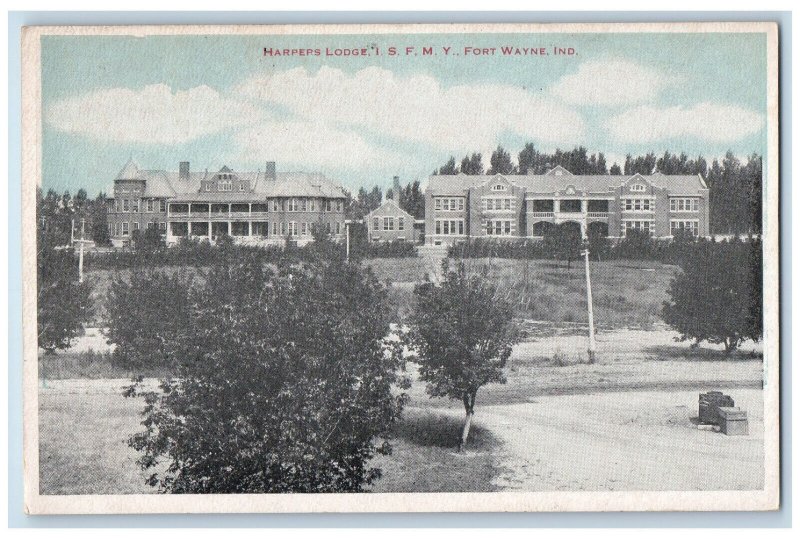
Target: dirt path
{"type": "Point", "coordinates": [624, 441]}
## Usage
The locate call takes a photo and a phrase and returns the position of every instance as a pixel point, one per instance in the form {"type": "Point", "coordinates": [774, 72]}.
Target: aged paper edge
{"type": "Point", "coordinates": [766, 499]}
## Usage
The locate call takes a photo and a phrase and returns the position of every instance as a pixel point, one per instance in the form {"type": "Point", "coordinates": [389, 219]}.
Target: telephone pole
{"type": "Point", "coordinates": [347, 241]}
{"type": "Point", "coordinates": [585, 253]}
{"type": "Point", "coordinates": [80, 253]}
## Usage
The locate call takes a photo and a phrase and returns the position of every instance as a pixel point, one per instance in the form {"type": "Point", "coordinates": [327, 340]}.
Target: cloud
{"type": "Point", "coordinates": [417, 108]}
{"type": "Point", "coordinates": [611, 82]}
{"type": "Point", "coordinates": [153, 115]}
{"type": "Point", "coordinates": [705, 121]}
{"type": "Point", "coordinates": [313, 144]}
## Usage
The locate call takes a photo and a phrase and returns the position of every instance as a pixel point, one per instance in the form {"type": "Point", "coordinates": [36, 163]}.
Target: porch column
{"type": "Point", "coordinates": [210, 236]}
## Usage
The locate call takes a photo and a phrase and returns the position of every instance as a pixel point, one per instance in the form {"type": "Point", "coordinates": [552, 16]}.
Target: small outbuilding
{"type": "Point", "coordinates": [389, 222]}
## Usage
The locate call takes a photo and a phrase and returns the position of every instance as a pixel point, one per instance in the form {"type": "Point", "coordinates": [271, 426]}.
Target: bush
{"type": "Point", "coordinates": [718, 296]}
{"type": "Point", "coordinates": [146, 313]}
{"type": "Point", "coordinates": [285, 382]}
{"type": "Point", "coordinates": [63, 304]}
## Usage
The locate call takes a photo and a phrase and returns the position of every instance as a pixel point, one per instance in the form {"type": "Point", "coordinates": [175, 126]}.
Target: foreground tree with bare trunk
{"type": "Point", "coordinates": [462, 333]}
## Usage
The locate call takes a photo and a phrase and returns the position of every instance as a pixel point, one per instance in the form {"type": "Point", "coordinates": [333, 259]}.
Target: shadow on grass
{"type": "Point", "coordinates": [431, 429]}
{"type": "Point", "coordinates": [680, 352]}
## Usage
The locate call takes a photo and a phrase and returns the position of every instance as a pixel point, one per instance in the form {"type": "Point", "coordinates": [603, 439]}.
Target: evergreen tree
{"type": "Point", "coordinates": [500, 162]}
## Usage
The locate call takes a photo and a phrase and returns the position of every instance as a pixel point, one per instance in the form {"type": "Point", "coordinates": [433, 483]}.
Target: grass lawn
{"type": "Point", "coordinates": [626, 293]}
{"type": "Point", "coordinates": [425, 458]}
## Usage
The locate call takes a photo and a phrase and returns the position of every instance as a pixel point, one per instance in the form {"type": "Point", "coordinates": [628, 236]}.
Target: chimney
{"type": "Point", "coordinates": [184, 170]}
{"type": "Point", "coordinates": [269, 171]}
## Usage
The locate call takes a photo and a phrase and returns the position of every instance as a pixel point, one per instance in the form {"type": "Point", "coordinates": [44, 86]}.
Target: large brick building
{"type": "Point", "coordinates": [460, 206]}
{"type": "Point", "coordinates": [252, 207]}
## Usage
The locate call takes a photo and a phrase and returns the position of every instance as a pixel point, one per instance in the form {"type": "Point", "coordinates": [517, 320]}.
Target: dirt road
{"type": "Point", "coordinates": [624, 441]}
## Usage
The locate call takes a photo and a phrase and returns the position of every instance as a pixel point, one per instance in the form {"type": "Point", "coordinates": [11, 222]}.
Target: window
{"type": "Point", "coordinates": [339, 205]}
{"type": "Point", "coordinates": [376, 223]}
{"type": "Point", "coordinates": [449, 204]}
{"type": "Point", "coordinates": [303, 204]}
{"type": "Point", "coordinates": [150, 205]}
{"type": "Point", "coordinates": [638, 204]}
{"type": "Point", "coordinates": [125, 228]}
{"type": "Point", "coordinates": [224, 185]}
{"type": "Point", "coordinates": [498, 204]}
{"type": "Point", "coordinates": [163, 206]}
{"type": "Point", "coordinates": [401, 223]}
{"type": "Point", "coordinates": [328, 205]}
{"type": "Point", "coordinates": [312, 205]}
{"type": "Point", "coordinates": [645, 226]}
{"type": "Point", "coordinates": [163, 226]}
{"type": "Point", "coordinates": [293, 204]}
{"type": "Point", "coordinates": [135, 226]}
{"type": "Point", "coordinates": [135, 205]}
{"type": "Point", "coordinates": [684, 204]}
{"type": "Point", "coordinates": [638, 188]}
{"type": "Point", "coordinates": [338, 228]}
{"type": "Point", "coordinates": [208, 187]}
{"type": "Point", "coordinates": [497, 227]}
{"type": "Point", "coordinates": [691, 226]}
{"type": "Point", "coordinates": [276, 206]}
{"type": "Point", "coordinates": [126, 204]}
{"type": "Point", "coordinates": [283, 229]}
{"type": "Point", "coordinates": [150, 225]}
{"type": "Point", "coordinates": [274, 228]}
{"type": "Point", "coordinates": [450, 227]}
{"type": "Point", "coordinates": [499, 187]}
{"type": "Point", "coordinates": [388, 223]}
{"type": "Point", "coordinates": [304, 229]}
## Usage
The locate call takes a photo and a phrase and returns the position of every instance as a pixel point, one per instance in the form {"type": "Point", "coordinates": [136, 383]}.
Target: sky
{"type": "Point", "coordinates": [362, 119]}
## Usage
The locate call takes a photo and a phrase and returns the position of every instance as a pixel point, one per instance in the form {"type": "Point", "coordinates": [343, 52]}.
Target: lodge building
{"type": "Point", "coordinates": [458, 207]}
{"type": "Point", "coordinates": [251, 207]}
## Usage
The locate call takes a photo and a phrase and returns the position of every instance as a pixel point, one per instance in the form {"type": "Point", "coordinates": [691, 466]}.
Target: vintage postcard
{"type": "Point", "coordinates": [376, 268]}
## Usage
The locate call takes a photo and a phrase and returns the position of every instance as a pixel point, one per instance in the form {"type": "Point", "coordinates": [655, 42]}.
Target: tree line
{"type": "Point", "coordinates": [60, 214]}
{"type": "Point", "coordinates": [734, 186]}
{"type": "Point", "coordinates": [409, 197]}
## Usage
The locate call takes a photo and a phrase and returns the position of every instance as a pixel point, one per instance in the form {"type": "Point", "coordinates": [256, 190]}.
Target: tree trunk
{"type": "Point", "coordinates": [469, 409]}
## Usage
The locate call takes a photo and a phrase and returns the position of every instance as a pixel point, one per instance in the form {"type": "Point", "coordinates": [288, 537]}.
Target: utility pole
{"type": "Point", "coordinates": [585, 253]}
{"type": "Point", "coordinates": [80, 253]}
{"type": "Point", "coordinates": [347, 240]}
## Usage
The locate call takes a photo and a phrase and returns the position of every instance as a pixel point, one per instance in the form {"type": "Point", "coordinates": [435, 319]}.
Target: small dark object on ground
{"type": "Point", "coordinates": [709, 404]}
{"type": "Point", "coordinates": [733, 421]}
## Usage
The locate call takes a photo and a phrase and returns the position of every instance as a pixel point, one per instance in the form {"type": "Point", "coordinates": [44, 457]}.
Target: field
{"type": "Point", "coordinates": [534, 433]}
{"type": "Point", "coordinates": [626, 293]}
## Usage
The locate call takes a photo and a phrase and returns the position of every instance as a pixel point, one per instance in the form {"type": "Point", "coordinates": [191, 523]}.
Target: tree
{"type": "Point", "coordinates": [472, 164]}
{"type": "Point", "coordinates": [500, 162]}
{"type": "Point", "coordinates": [285, 381]}
{"type": "Point", "coordinates": [99, 221]}
{"type": "Point", "coordinates": [462, 333]}
{"type": "Point", "coordinates": [449, 169]}
{"type": "Point", "coordinates": [564, 242]}
{"type": "Point", "coordinates": [412, 200]}
{"type": "Point", "coordinates": [63, 304]}
{"type": "Point", "coordinates": [717, 295]}
{"type": "Point", "coordinates": [146, 312]}
{"type": "Point", "coordinates": [615, 170]}
{"type": "Point", "coordinates": [148, 240]}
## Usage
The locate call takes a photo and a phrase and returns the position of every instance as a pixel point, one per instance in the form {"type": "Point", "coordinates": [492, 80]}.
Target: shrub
{"type": "Point", "coordinates": [63, 304]}
{"type": "Point", "coordinates": [285, 382]}
{"type": "Point", "coordinates": [718, 295]}
{"type": "Point", "coordinates": [145, 314]}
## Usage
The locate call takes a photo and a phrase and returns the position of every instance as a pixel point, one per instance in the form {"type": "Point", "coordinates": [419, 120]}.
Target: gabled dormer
{"type": "Point", "coordinates": [224, 181]}
{"type": "Point", "coordinates": [558, 170]}
{"type": "Point", "coordinates": [498, 184]}
{"type": "Point", "coordinates": [636, 185]}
